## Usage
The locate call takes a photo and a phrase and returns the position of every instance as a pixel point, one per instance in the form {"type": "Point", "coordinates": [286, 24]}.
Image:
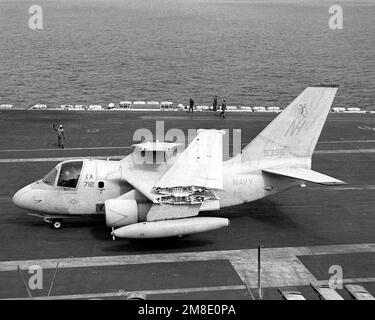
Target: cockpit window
{"type": "Point", "coordinates": [69, 174]}
{"type": "Point", "coordinates": [50, 178]}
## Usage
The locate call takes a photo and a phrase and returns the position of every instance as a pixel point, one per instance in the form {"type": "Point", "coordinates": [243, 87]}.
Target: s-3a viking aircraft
{"type": "Point", "coordinates": [151, 200]}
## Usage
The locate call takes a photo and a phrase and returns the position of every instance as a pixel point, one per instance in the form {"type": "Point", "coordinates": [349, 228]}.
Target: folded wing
{"type": "Point", "coordinates": [201, 164]}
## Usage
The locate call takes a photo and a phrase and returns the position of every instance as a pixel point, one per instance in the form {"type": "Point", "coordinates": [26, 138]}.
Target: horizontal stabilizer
{"type": "Point", "coordinates": [305, 175]}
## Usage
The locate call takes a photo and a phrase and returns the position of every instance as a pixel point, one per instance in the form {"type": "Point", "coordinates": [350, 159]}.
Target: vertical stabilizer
{"type": "Point", "coordinates": [295, 132]}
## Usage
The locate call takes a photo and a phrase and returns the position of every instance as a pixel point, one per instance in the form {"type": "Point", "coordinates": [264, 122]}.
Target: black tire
{"type": "Point", "coordinates": [57, 224]}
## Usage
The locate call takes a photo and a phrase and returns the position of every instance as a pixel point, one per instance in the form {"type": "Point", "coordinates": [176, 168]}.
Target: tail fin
{"type": "Point", "coordinates": [295, 132]}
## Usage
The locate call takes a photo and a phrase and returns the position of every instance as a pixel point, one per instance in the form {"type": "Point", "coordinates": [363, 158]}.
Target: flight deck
{"type": "Point", "coordinates": [303, 231]}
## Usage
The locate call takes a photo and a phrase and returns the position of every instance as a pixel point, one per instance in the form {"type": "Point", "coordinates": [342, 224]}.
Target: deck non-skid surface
{"type": "Point", "coordinates": [302, 219]}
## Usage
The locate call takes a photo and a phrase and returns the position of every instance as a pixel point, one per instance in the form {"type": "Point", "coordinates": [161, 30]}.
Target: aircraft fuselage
{"type": "Point", "coordinates": [99, 181]}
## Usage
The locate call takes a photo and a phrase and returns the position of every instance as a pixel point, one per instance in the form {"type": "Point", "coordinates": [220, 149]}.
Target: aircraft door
{"type": "Point", "coordinates": [87, 187]}
{"type": "Point", "coordinates": [100, 196]}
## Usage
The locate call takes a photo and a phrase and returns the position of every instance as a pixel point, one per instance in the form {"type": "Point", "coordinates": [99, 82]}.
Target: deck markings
{"type": "Point", "coordinates": [347, 281]}
{"type": "Point", "coordinates": [119, 157]}
{"type": "Point", "coordinates": [66, 149]}
{"type": "Point", "coordinates": [345, 151]}
{"type": "Point", "coordinates": [344, 188]}
{"type": "Point", "coordinates": [129, 147]}
{"type": "Point", "coordinates": [346, 141]}
{"type": "Point", "coordinates": [280, 266]}
{"type": "Point", "coordinates": [122, 293]}
{"type": "Point", "coordinates": [59, 159]}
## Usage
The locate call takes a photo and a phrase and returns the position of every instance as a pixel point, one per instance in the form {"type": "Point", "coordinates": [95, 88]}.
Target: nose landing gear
{"type": "Point", "coordinates": [56, 223]}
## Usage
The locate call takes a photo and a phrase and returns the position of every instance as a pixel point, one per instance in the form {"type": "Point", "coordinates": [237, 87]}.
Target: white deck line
{"type": "Point", "coordinates": [58, 159]}
{"type": "Point", "coordinates": [346, 141]}
{"type": "Point", "coordinates": [119, 157]}
{"type": "Point", "coordinates": [129, 147]}
{"type": "Point", "coordinates": [125, 293]}
{"type": "Point", "coordinates": [66, 149]}
{"type": "Point", "coordinates": [347, 281]}
{"type": "Point", "coordinates": [343, 151]}
{"type": "Point", "coordinates": [280, 266]}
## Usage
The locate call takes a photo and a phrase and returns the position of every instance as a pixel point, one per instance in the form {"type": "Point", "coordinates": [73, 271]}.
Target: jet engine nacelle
{"type": "Point", "coordinates": [119, 213]}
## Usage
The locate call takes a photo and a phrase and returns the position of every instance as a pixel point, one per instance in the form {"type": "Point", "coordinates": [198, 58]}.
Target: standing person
{"type": "Point", "coordinates": [223, 108]}
{"type": "Point", "coordinates": [214, 104]}
{"type": "Point", "coordinates": [191, 105]}
{"type": "Point", "coordinates": [60, 135]}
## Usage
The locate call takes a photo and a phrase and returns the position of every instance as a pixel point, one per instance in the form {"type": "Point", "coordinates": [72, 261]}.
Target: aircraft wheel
{"type": "Point", "coordinates": [57, 224]}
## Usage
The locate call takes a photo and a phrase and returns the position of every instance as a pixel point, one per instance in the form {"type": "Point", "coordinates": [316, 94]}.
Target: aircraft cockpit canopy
{"type": "Point", "coordinates": [50, 178]}
{"type": "Point", "coordinates": [68, 174]}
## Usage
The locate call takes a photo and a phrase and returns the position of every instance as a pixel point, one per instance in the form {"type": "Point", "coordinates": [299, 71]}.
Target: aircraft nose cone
{"type": "Point", "coordinates": [21, 197]}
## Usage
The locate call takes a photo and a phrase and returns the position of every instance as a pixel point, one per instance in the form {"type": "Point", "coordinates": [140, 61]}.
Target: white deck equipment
{"type": "Point", "coordinates": [358, 292]}
{"type": "Point", "coordinates": [325, 292]}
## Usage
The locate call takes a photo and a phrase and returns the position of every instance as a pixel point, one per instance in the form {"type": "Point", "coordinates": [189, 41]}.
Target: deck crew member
{"type": "Point", "coordinates": [223, 108]}
{"type": "Point", "coordinates": [214, 104]}
{"type": "Point", "coordinates": [60, 135]}
{"type": "Point", "coordinates": [191, 105]}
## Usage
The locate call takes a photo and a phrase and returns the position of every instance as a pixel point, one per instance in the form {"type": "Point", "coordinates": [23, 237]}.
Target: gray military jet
{"type": "Point", "coordinates": [151, 199]}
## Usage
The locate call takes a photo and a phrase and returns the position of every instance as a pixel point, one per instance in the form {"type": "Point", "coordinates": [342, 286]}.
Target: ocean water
{"type": "Point", "coordinates": [248, 52]}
